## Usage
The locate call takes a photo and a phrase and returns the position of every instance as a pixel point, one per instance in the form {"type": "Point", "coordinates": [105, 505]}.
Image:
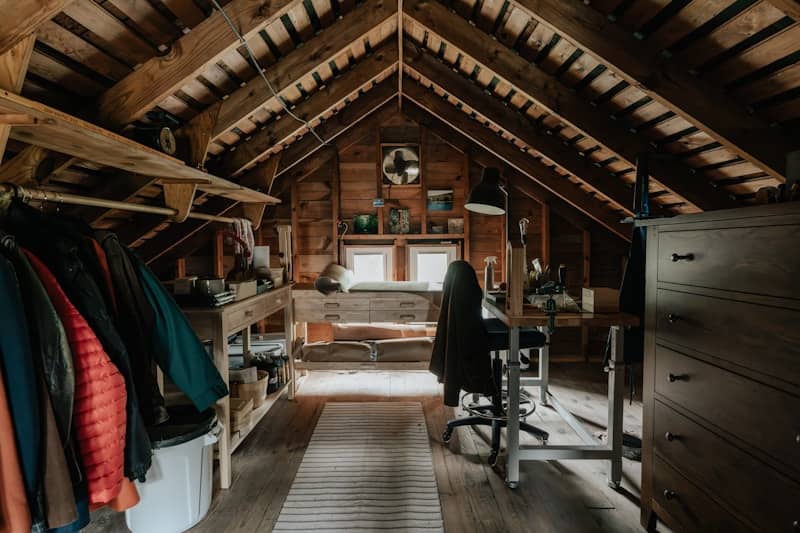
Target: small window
{"type": "Point", "coordinates": [370, 263]}
{"type": "Point", "coordinates": [429, 262]}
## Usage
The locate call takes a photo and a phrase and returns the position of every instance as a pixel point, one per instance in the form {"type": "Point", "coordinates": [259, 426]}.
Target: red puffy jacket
{"type": "Point", "coordinates": [100, 397]}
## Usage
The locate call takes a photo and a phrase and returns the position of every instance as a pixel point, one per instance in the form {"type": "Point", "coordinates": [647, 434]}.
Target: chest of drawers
{"type": "Point", "coordinates": [721, 438]}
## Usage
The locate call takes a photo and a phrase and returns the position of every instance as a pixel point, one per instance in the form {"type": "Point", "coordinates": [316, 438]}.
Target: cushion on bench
{"type": "Point", "coordinates": [361, 332]}
{"type": "Point", "coordinates": [337, 352]}
{"type": "Point", "coordinates": [404, 350]}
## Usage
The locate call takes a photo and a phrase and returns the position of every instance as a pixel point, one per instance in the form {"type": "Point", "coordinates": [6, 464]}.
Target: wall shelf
{"type": "Point", "coordinates": [403, 236]}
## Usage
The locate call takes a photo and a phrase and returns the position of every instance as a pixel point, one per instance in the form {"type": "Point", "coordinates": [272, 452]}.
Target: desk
{"type": "Point", "coordinates": [591, 447]}
{"type": "Point", "coordinates": [216, 324]}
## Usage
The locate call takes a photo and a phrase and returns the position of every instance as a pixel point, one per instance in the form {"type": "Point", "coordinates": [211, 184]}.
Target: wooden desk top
{"type": "Point", "coordinates": [531, 318]}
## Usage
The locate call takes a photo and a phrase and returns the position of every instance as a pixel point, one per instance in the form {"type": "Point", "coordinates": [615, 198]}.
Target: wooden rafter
{"type": "Point", "coordinates": [520, 127]}
{"type": "Point", "coordinates": [545, 175]}
{"type": "Point", "coordinates": [696, 100]}
{"type": "Point", "coordinates": [330, 129]}
{"type": "Point", "coordinates": [790, 7]}
{"type": "Point", "coordinates": [551, 95]}
{"type": "Point", "coordinates": [206, 44]}
{"type": "Point", "coordinates": [13, 68]}
{"type": "Point", "coordinates": [21, 18]}
{"type": "Point", "coordinates": [249, 152]}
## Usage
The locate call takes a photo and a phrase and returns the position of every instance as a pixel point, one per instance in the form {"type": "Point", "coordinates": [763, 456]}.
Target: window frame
{"type": "Point", "coordinates": [453, 251]}
{"type": "Point", "coordinates": [350, 251]}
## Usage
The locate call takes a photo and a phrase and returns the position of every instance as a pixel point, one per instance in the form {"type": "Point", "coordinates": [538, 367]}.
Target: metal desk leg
{"type": "Point", "coordinates": [512, 429]}
{"type": "Point", "coordinates": [616, 401]}
{"type": "Point", "coordinates": [544, 368]}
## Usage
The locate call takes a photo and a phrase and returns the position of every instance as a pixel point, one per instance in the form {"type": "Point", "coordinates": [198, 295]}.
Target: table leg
{"type": "Point", "coordinates": [288, 329]}
{"type": "Point", "coordinates": [616, 401]}
{"type": "Point", "coordinates": [512, 428]}
{"type": "Point", "coordinates": [246, 355]}
{"type": "Point", "coordinates": [223, 409]}
{"type": "Point", "coordinates": [544, 368]}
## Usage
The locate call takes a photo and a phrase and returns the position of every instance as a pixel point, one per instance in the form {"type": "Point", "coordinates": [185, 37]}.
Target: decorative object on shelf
{"type": "Point", "coordinates": [436, 228]}
{"type": "Point", "coordinates": [400, 165]}
{"type": "Point", "coordinates": [158, 133]}
{"type": "Point", "coordinates": [365, 224]}
{"type": "Point", "coordinates": [455, 225]}
{"type": "Point", "coordinates": [440, 199]}
{"type": "Point", "coordinates": [399, 220]}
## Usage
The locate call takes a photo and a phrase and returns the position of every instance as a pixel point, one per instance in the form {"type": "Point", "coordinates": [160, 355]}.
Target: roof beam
{"type": "Point", "coordinates": [549, 94]}
{"type": "Point", "coordinates": [790, 7]}
{"type": "Point", "coordinates": [520, 127]}
{"type": "Point", "coordinates": [13, 69]}
{"type": "Point", "coordinates": [537, 170]}
{"type": "Point", "coordinates": [247, 153]}
{"type": "Point", "coordinates": [704, 105]}
{"type": "Point", "coordinates": [332, 128]}
{"type": "Point", "coordinates": [160, 77]}
{"type": "Point", "coordinates": [22, 18]}
{"type": "Point", "coordinates": [322, 48]}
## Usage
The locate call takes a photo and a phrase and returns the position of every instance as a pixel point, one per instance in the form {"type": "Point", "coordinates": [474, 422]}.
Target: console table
{"type": "Point", "coordinates": [216, 324]}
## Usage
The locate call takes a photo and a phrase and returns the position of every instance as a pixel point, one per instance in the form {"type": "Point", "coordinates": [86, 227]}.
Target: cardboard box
{"type": "Point", "coordinates": [600, 300]}
{"type": "Point", "coordinates": [243, 289]}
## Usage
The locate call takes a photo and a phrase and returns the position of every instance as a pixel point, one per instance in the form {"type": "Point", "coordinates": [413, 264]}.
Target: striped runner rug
{"type": "Point", "coordinates": [368, 467]}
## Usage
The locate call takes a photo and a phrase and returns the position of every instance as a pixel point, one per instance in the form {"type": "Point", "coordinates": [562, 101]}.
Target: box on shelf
{"type": "Point", "coordinates": [241, 414]}
{"type": "Point", "coordinates": [243, 375]}
{"type": "Point", "coordinates": [600, 300]}
{"type": "Point", "coordinates": [255, 391]}
{"type": "Point", "coordinates": [243, 289]}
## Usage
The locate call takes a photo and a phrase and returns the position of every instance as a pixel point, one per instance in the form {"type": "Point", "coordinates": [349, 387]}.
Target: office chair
{"type": "Point", "coordinates": [494, 414]}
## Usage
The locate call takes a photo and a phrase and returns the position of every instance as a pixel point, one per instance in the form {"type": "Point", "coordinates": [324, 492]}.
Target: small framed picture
{"type": "Point", "coordinates": [455, 225]}
{"type": "Point", "coordinates": [440, 199]}
{"type": "Point", "coordinates": [400, 165]}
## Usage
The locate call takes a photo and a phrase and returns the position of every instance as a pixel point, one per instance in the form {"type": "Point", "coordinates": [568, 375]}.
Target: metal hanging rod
{"type": "Point", "coordinates": [27, 194]}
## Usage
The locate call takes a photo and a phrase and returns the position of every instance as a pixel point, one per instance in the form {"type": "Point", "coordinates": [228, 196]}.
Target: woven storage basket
{"type": "Point", "coordinates": [241, 414]}
{"type": "Point", "coordinates": [252, 391]}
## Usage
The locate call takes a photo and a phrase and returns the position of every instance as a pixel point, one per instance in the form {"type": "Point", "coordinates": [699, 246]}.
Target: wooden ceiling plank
{"type": "Point", "coordinates": [300, 62]}
{"type": "Point", "coordinates": [366, 105]}
{"type": "Point", "coordinates": [515, 124]}
{"type": "Point", "coordinates": [790, 7]}
{"type": "Point", "coordinates": [545, 175]}
{"type": "Point", "coordinates": [22, 18]}
{"type": "Point", "coordinates": [277, 132]}
{"type": "Point", "coordinates": [549, 94]}
{"type": "Point", "coordinates": [147, 19]}
{"type": "Point", "coordinates": [14, 64]}
{"type": "Point", "coordinates": [703, 104]}
{"type": "Point", "coordinates": [186, 11]}
{"type": "Point", "coordinates": [160, 77]}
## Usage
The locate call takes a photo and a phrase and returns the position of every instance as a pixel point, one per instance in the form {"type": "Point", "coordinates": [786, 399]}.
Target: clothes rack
{"type": "Point", "coordinates": [27, 194]}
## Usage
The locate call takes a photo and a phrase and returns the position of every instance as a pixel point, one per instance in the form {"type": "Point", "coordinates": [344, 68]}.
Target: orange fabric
{"type": "Point", "coordinates": [128, 497]}
{"type": "Point", "coordinates": [100, 397]}
{"type": "Point", "coordinates": [15, 516]}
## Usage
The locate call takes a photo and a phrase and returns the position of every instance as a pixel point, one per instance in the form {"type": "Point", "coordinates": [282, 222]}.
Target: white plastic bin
{"type": "Point", "coordinates": [177, 492]}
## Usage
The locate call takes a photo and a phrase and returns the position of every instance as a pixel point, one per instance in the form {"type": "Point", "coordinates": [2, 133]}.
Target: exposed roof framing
{"type": "Point", "coordinates": [642, 66]}
{"type": "Point", "coordinates": [564, 95]}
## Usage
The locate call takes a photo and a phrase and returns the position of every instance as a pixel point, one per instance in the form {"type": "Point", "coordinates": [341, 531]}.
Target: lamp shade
{"type": "Point", "coordinates": [487, 197]}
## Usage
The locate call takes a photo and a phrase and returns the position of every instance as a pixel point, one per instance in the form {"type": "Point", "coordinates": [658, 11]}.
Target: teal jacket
{"type": "Point", "coordinates": [177, 350]}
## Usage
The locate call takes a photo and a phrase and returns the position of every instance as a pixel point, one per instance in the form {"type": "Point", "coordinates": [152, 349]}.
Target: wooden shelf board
{"type": "Point", "coordinates": [64, 133]}
{"type": "Point", "coordinates": [258, 414]}
{"type": "Point", "coordinates": [404, 236]}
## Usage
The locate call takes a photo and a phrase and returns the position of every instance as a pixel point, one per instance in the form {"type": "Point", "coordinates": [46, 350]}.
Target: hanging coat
{"type": "Point", "coordinates": [178, 351]}
{"type": "Point", "coordinates": [15, 517]}
{"type": "Point", "coordinates": [100, 397]}
{"type": "Point", "coordinates": [461, 359]}
{"type": "Point", "coordinates": [16, 364]}
{"type": "Point", "coordinates": [57, 241]}
{"type": "Point", "coordinates": [136, 325]}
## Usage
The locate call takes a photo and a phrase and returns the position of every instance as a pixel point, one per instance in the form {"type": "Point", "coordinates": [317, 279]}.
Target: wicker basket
{"type": "Point", "coordinates": [252, 391]}
{"type": "Point", "coordinates": [241, 414]}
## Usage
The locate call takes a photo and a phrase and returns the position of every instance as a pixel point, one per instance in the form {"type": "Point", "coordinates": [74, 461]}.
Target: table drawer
{"type": "Point", "coordinates": [329, 304]}
{"type": "Point", "coordinates": [240, 318]}
{"type": "Point", "coordinates": [760, 415]}
{"type": "Point", "coordinates": [720, 467]}
{"type": "Point", "coordinates": [329, 315]}
{"type": "Point", "coordinates": [401, 302]}
{"type": "Point", "coordinates": [736, 259]}
{"type": "Point", "coordinates": [733, 331]}
{"type": "Point", "coordinates": [399, 315]}
{"type": "Point", "coordinates": [690, 507]}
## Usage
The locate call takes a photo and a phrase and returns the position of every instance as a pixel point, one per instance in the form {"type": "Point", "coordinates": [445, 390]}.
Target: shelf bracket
{"type": "Point", "coordinates": [179, 196]}
{"type": "Point", "coordinates": [198, 134]}
{"type": "Point", "coordinates": [254, 213]}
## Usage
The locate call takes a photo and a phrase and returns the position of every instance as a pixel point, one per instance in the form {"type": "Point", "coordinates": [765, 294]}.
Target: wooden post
{"type": "Point", "coordinates": [587, 253]}
{"type": "Point", "coordinates": [465, 213]}
{"type": "Point", "coordinates": [515, 259]}
{"type": "Point", "coordinates": [180, 267]}
{"type": "Point", "coordinates": [336, 210]}
{"type": "Point", "coordinates": [545, 234]}
{"type": "Point", "coordinates": [219, 254]}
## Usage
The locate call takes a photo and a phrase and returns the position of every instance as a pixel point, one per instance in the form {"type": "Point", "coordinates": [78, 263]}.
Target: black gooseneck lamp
{"type": "Point", "coordinates": [489, 196]}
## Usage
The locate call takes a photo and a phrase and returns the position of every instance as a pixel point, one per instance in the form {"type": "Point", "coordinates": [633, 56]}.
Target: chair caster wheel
{"type": "Point", "coordinates": [447, 435]}
{"type": "Point", "coordinates": [512, 484]}
{"type": "Point", "coordinates": [492, 459]}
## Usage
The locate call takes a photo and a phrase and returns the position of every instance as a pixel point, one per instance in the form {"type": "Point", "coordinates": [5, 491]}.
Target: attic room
{"type": "Point", "coordinates": [414, 265]}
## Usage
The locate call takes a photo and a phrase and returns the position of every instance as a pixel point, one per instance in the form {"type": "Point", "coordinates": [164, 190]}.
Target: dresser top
{"type": "Point", "coordinates": [791, 209]}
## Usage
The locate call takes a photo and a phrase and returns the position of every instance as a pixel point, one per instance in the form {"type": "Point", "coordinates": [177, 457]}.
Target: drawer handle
{"type": "Point", "coordinates": [249, 313]}
{"type": "Point", "coordinates": [672, 378]}
{"type": "Point", "coordinates": [682, 257]}
{"type": "Point", "coordinates": [407, 317]}
{"type": "Point", "coordinates": [670, 436]}
{"type": "Point", "coordinates": [406, 304]}
{"type": "Point", "coordinates": [672, 318]}
{"type": "Point", "coordinates": [332, 317]}
{"type": "Point", "coordinates": [331, 305]}
{"type": "Point", "coordinates": [670, 494]}
{"type": "Point", "coordinates": [796, 525]}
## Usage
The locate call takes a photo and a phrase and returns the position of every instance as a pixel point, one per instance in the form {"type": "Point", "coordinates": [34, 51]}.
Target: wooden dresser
{"type": "Point", "coordinates": [721, 443]}
{"type": "Point", "coordinates": [368, 306]}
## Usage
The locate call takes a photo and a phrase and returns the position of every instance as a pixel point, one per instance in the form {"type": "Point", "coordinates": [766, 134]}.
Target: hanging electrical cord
{"type": "Point", "coordinates": [263, 75]}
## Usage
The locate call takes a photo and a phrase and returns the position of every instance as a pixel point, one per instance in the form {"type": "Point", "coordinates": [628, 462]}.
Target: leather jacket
{"type": "Point", "coordinates": [49, 341]}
